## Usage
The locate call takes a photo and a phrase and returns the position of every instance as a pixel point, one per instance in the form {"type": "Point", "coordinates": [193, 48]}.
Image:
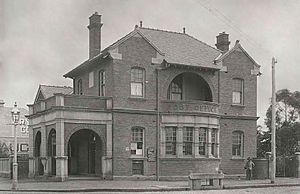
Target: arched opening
{"type": "Point", "coordinates": [189, 86]}
{"type": "Point", "coordinates": [52, 151]}
{"type": "Point", "coordinates": [37, 154]}
{"type": "Point", "coordinates": [84, 153]}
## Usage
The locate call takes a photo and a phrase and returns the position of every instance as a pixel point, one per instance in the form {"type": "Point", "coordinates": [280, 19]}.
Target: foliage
{"type": "Point", "coordinates": [286, 124]}
{"type": "Point", "coordinates": [4, 150]}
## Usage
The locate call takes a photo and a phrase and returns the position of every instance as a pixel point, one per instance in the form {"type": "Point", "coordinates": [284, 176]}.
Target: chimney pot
{"type": "Point", "coordinates": [223, 42]}
{"type": "Point", "coordinates": [183, 30]}
{"type": "Point", "coordinates": [2, 103]}
{"type": "Point", "coordinates": [141, 24]}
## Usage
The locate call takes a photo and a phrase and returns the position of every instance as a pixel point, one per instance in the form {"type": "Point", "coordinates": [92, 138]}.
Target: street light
{"type": "Point", "coordinates": [15, 114]}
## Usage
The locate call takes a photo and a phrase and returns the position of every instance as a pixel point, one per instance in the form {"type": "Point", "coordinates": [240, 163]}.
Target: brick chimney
{"type": "Point", "coordinates": [95, 35]}
{"type": "Point", "coordinates": [223, 42]}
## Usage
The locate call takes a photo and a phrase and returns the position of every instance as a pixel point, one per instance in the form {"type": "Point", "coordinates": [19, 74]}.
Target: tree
{"type": "Point", "coordinates": [286, 123]}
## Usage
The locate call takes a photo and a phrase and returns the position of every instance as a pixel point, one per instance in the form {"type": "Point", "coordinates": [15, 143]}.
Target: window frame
{"type": "Point", "coordinates": [135, 72]}
{"type": "Point", "coordinates": [171, 140]}
{"type": "Point", "coordinates": [214, 141]}
{"type": "Point", "coordinates": [91, 79]}
{"type": "Point", "coordinates": [203, 144]}
{"type": "Point", "coordinates": [236, 91]}
{"type": "Point", "coordinates": [188, 141]}
{"type": "Point", "coordinates": [137, 141]}
{"type": "Point", "coordinates": [239, 144]}
{"type": "Point", "coordinates": [176, 87]}
{"type": "Point", "coordinates": [79, 87]}
{"type": "Point", "coordinates": [102, 82]}
{"type": "Point", "coordinates": [133, 169]}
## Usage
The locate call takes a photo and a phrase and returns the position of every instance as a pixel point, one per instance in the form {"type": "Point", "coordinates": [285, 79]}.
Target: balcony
{"type": "Point", "coordinates": [71, 101]}
{"type": "Point", "coordinates": [195, 106]}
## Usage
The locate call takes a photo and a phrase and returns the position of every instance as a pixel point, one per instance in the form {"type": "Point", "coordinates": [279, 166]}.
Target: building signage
{"type": "Point", "coordinates": [24, 125]}
{"type": "Point", "coordinates": [151, 154]}
{"type": "Point", "coordinates": [184, 107]}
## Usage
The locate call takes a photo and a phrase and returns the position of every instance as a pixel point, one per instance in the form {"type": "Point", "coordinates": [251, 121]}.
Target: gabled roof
{"type": "Point", "coordinates": [237, 46]}
{"type": "Point", "coordinates": [46, 91]}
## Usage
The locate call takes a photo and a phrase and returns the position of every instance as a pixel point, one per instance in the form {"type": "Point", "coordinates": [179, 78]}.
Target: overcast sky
{"type": "Point", "coordinates": [40, 40]}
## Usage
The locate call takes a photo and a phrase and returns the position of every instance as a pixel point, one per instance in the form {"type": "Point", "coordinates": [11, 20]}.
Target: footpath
{"type": "Point", "coordinates": [97, 185]}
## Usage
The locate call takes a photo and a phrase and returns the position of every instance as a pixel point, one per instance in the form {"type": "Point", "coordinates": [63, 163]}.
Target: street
{"type": "Point", "coordinates": [274, 190]}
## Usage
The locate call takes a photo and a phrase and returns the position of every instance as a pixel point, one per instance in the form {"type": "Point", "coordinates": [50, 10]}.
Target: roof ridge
{"type": "Point", "coordinates": [156, 29]}
{"type": "Point", "coordinates": [205, 43]}
{"type": "Point", "coordinates": [55, 86]}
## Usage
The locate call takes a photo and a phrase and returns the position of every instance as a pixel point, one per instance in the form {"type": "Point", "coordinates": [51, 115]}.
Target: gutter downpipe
{"type": "Point", "coordinates": [157, 123]}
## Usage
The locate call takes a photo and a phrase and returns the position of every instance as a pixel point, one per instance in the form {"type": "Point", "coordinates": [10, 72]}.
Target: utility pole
{"type": "Point", "coordinates": [273, 138]}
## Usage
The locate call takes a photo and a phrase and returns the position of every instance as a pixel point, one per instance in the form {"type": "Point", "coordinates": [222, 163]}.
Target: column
{"type": "Point", "coordinates": [107, 158]}
{"type": "Point", "coordinates": [218, 143]}
{"type": "Point", "coordinates": [43, 157]}
{"type": "Point", "coordinates": [31, 159]}
{"type": "Point", "coordinates": [297, 164]}
{"type": "Point", "coordinates": [209, 143]}
{"type": "Point", "coordinates": [61, 159]}
{"type": "Point", "coordinates": [179, 142]}
{"type": "Point", "coordinates": [196, 142]}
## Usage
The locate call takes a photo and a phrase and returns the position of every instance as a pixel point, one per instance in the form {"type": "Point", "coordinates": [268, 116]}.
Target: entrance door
{"type": "Point", "coordinates": [84, 153]}
{"type": "Point", "coordinates": [52, 151]}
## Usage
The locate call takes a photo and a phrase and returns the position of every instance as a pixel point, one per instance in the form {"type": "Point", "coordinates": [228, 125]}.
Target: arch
{"type": "Point", "coordinates": [51, 150]}
{"type": "Point", "coordinates": [85, 153]}
{"type": "Point", "coordinates": [189, 86]}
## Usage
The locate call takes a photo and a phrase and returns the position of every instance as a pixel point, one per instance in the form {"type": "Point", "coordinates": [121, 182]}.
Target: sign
{"type": "Point", "coordinates": [194, 108]}
{"type": "Point", "coordinates": [151, 154]}
{"type": "Point", "coordinates": [24, 125]}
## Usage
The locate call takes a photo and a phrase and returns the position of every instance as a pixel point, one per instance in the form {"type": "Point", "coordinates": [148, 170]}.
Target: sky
{"type": "Point", "coordinates": [41, 40]}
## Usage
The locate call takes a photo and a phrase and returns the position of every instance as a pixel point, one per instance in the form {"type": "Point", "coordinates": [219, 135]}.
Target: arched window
{"type": "Point", "coordinates": [237, 144]}
{"type": "Point", "coordinates": [238, 91]}
{"type": "Point", "coordinates": [79, 87]}
{"type": "Point", "coordinates": [102, 83]}
{"type": "Point", "coordinates": [137, 82]}
{"type": "Point", "coordinates": [175, 89]}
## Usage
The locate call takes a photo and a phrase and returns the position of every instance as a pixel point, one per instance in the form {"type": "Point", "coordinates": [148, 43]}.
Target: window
{"type": "Point", "coordinates": [91, 79]}
{"type": "Point", "coordinates": [137, 141]}
{"type": "Point", "coordinates": [202, 141]}
{"type": "Point", "coordinates": [213, 142]}
{"type": "Point", "coordinates": [237, 94]}
{"type": "Point", "coordinates": [175, 89]}
{"type": "Point", "coordinates": [237, 143]}
{"type": "Point", "coordinates": [101, 83]}
{"type": "Point", "coordinates": [137, 167]}
{"type": "Point", "coordinates": [137, 82]}
{"type": "Point", "coordinates": [188, 140]}
{"type": "Point", "coordinates": [170, 140]}
{"type": "Point", "coordinates": [79, 87]}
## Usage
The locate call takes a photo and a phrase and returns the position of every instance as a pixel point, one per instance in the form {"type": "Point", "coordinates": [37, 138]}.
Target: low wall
{"type": "Point", "coordinates": [5, 167]}
{"type": "Point", "coordinates": [261, 168]}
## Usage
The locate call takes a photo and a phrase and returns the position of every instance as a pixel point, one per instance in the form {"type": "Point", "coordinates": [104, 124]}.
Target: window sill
{"type": "Point", "coordinates": [188, 158]}
{"type": "Point", "coordinates": [238, 105]}
{"type": "Point", "coordinates": [237, 158]}
{"type": "Point", "coordinates": [136, 98]}
{"type": "Point", "coordinates": [137, 157]}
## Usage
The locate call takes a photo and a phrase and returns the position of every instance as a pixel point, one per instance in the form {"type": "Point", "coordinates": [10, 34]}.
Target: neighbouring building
{"type": "Point", "coordinates": [7, 130]}
{"type": "Point", "coordinates": [153, 104]}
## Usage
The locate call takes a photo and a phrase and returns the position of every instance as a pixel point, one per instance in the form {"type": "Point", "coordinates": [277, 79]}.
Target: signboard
{"type": "Point", "coordinates": [24, 125]}
{"type": "Point", "coordinates": [151, 154]}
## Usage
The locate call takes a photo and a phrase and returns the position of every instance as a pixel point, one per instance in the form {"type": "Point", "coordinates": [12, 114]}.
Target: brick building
{"type": "Point", "coordinates": [153, 104]}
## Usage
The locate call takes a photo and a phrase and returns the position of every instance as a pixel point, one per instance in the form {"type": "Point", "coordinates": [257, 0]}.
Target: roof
{"type": "Point", "coordinates": [46, 91]}
{"type": "Point", "coordinates": [175, 47]}
{"type": "Point", "coordinates": [181, 48]}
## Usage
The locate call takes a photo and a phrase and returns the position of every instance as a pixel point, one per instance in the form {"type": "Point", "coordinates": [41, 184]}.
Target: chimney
{"type": "Point", "coordinates": [223, 42]}
{"type": "Point", "coordinates": [95, 35]}
{"type": "Point", "coordinates": [2, 103]}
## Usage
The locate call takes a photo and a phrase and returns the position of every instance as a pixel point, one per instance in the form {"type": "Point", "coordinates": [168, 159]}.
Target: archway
{"type": "Point", "coordinates": [52, 151]}
{"type": "Point", "coordinates": [189, 86]}
{"type": "Point", "coordinates": [37, 154]}
{"type": "Point", "coordinates": [84, 153]}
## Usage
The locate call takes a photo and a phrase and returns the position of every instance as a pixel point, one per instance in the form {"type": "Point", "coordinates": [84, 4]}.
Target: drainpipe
{"type": "Point", "coordinates": [157, 124]}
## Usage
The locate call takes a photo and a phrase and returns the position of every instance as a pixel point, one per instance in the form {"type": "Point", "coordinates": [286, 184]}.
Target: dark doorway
{"type": "Point", "coordinates": [84, 152]}
{"type": "Point", "coordinates": [37, 153]}
{"type": "Point", "coordinates": [52, 151]}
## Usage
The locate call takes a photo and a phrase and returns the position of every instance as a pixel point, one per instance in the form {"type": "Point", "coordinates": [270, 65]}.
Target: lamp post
{"type": "Point", "coordinates": [15, 114]}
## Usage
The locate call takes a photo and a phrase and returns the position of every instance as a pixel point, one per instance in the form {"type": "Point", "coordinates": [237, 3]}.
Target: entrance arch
{"type": "Point", "coordinates": [189, 86]}
{"type": "Point", "coordinates": [52, 151]}
{"type": "Point", "coordinates": [37, 153]}
{"type": "Point", "coordinates": [84, 153]}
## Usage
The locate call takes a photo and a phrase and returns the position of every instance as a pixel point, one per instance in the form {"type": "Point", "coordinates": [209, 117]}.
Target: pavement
{"type": "Point", "coordinates": [98, 185]}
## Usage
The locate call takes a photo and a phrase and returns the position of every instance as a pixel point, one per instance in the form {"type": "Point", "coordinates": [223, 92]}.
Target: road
{"type": "Point", "coordinates": [274, 190]}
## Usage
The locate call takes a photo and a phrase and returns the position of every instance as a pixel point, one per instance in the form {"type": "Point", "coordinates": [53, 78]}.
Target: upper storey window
{"type": "Point", "coordinates": [175, 89]}
{"type": "Point", "coordinates": [79, 87]}
{"type": "Point", "coordinates": [137, 82]}
{"type": "Point", "coordinates": [101, 83]}
{"type": "Point", "coordinates": [91, 79]}
{"type": "Point", "coordinates": [238, 91]}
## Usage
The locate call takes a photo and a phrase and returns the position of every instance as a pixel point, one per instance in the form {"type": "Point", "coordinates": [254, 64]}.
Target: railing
{"type": "Point", "coordinates": [195, 106]}
{"type": "Point", "coordinates": [72, 101]}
